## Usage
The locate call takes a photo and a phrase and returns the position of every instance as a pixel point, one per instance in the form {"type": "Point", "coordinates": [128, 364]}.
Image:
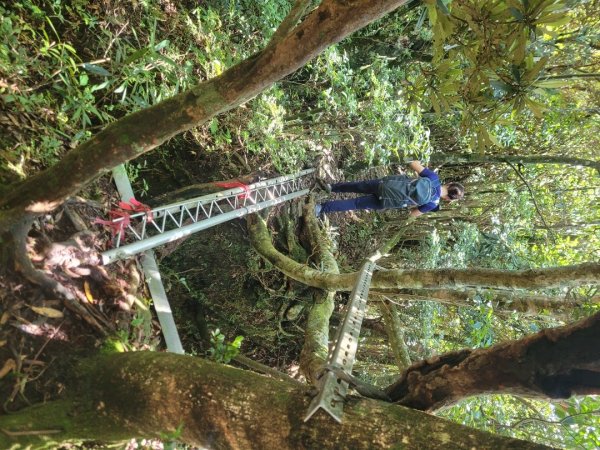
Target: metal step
{"type": "Point", "coordinates": [146, 230]}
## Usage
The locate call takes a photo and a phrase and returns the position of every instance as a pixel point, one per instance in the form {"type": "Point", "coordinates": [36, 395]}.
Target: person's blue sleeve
{"type": "Point", "coordinates": [428, 173]}
{"type": "Point", "coordinates": [431, 206]}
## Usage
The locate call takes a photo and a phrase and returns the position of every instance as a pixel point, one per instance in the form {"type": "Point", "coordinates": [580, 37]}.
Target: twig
{"type": "Point", "coordinates": [261, 368]}
{"type": "Point", "coordinates": [533, 199]}
{"type": "Point", "coordinates": [29, 433]}
{"type": "Point", "coordinates": [112, 41]}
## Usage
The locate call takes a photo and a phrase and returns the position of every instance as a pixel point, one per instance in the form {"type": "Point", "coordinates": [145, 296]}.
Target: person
{"type": "Point", "coordinates": [421, 194]}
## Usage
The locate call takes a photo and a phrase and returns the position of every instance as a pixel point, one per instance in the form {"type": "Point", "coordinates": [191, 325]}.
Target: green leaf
{"type": "Point", "coordinates": [161, 45]}
{"type": "Point", "coordinates": [83, 79]}
{"type": "Point", "coordinates": [536, 108]}
{"type": "Point", "coordinates": [501, 86]}
{"type": "Point", "coordinates": [136, 55]}
{"type": "Point", "coordinates": [552, 84]}
{"type": "Point", "coordinates": [214, 126]}
{"type": "Point", "coordinates": [554, 20]}
{"type": "Point", "coordinates": [536, 69]}
{"type": "Point", "coordinates": [516, 14]}
{"type": "Point", "coordinates": [96, 70]}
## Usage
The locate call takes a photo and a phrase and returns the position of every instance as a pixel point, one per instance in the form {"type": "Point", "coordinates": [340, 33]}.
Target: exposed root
{"type": "Point", "coordinates": [48, 284]}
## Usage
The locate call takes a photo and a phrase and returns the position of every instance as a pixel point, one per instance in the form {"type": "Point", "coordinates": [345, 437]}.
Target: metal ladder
{"type": "Point", "coordinates": [331, 391]}
{"type": "Point", "coordinates": [145, 230]}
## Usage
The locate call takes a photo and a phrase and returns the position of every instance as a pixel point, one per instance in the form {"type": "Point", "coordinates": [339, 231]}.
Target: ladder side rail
{"type": "Point", "coordinates": [172, 216]}
{"type": "Point", "coordinates": [232, 192]}
{"type": "Point", "coordinates": [126, 251]}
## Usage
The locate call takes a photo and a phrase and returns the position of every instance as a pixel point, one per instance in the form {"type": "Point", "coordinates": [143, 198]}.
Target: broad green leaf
{"type": "Point", "coordinates": [501, 86]}
{"type": "Point", "coordinates": [96, 70]}
{"type": "Point", "coordinates": [535, 70]}
{"type": "Point", "coordinates": [161, 45]}
{"type": "Point", "coordinates": [552, 84]}
{"type": "Point", "coordinates": [214, 126]}
{"type": "Point", "coordinates": [554, 20]}
{"type": "Point", "coordinates": [435, 103]}
{"type": "Point", "coordinates": [536, 108]}
{"type": "Point", "coordinates": [516, 14]}
{"type": "Point", "coordinates": [136, 55]}
{"type": "Point", "coordinates": [494, 140]}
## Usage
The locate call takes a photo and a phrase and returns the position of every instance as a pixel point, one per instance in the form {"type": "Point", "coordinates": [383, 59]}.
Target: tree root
{"type": "Point", "coordinates": [47, 284]}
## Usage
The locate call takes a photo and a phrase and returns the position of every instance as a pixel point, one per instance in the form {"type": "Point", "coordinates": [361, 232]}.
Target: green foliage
{"type": "Point", "coordinates": [566, 424]}
{"type": "Point", "coordinates": [221, 351]}
{"type": "Point", "coordinates": [169, 438]}
{"type": "Point", "coordinates": [489, 62]}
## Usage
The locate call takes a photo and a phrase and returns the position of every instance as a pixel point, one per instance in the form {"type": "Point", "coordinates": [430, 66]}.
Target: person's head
{"type": "Point", "coordinates": [454, 191]}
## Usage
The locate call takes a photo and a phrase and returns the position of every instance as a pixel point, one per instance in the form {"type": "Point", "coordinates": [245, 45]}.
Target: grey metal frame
{"type": "Point", "coordinates": [152, 274]}
{"type": "Point", "coordinates": [167, 223]}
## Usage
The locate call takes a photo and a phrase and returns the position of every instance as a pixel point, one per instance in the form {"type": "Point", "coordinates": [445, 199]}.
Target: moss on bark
{"type": "Point", "coordinates": [142, 394]}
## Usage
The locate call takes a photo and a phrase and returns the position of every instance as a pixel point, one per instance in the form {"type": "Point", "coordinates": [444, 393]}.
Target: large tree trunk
{"type": "Point", "coordinates": [144, 130]}
{"type": "Point", "coordinates": [144, 394]}
{"type": "Point", "coordinates": [555, 363]}
{"type": "Point", "coordinates": [576, 275]}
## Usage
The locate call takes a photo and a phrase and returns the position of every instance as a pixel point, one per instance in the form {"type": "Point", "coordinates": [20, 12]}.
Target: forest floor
{"type": "Point", "coordinates": [215, 281]}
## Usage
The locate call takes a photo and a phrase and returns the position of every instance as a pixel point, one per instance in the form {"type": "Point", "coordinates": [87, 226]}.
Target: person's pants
{"type": "Point", "coordinates": [370, 201]}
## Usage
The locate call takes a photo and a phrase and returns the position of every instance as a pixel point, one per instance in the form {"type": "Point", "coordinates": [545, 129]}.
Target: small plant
{"type": "Point", "coordinates": [221, 351]}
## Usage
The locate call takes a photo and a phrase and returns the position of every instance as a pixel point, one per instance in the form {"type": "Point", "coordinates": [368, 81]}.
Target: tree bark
{"type": "Point", "coordinates": [316, 336]}
{"type": "Point", "coordinates": [554, 363]}
{"type": "Point", "coordinates": [472, 158]}
{"type": "Point", "coordinates": [144, 130]}
{"type": "Point", "coordinates": [143, 394]}
{"type": "Point", "coordinates": [565, 276]}
{"type": "Point", "coordinates": [500, 300]}
{"type": "Point", "coordinates": [395, 334]}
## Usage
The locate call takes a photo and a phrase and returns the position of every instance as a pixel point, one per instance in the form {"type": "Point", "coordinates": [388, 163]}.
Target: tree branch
{"type": "Point", "coordinates": [575, 275]}
{"type": "Point", "coordinates": [532, 195]}
{"type": "Point", "coordinates": [287, 25]}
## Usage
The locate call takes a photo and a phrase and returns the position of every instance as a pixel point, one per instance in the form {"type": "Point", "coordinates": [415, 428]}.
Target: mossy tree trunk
{"type": "Point", "coordinates": [292, 47]}
{"type": "Point", "coordinates": [500, 300]}
{"type": "Point", "coordinates": [316, 337]}
{"type": "Point", "coordinates": [144, 394]}
{"type": "Point", "coordinates": [395, 334]}
{"type": "Point", "coordinates": [565, 276]}
{"type": "Point", "coordinates": [472, 158]}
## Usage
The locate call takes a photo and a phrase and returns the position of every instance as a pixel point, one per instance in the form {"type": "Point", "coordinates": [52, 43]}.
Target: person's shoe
{"type": "Point", "coordinates": [318, 210]}
{"type": "Point", "coordinates": [324, 185]}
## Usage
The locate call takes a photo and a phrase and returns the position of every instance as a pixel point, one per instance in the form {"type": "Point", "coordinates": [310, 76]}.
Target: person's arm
{"type": "Point", "coordinates": [416, 166]}
{"type": "Point", "coordinates": [415, 213]}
